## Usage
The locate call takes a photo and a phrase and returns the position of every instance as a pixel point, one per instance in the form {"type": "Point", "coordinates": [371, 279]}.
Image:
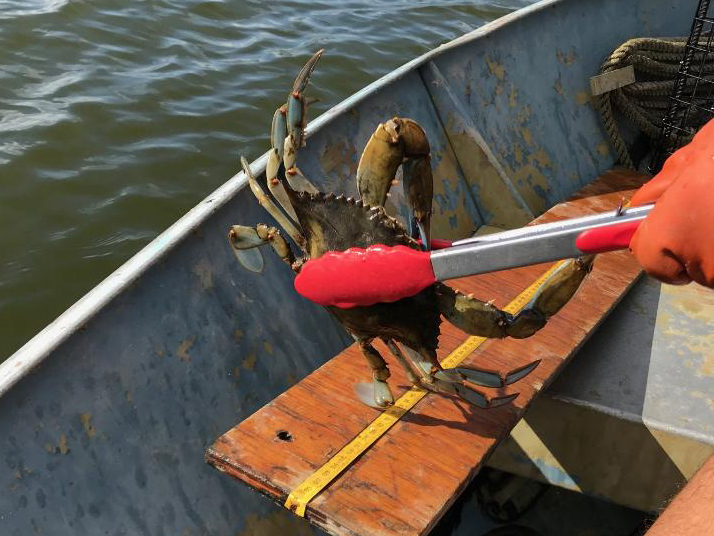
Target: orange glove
{"type": "Point", "coordinates": [675, 243]}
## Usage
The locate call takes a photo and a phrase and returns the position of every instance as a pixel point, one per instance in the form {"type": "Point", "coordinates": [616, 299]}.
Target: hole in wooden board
{"type": "Point", "coordinates": [283, 435]}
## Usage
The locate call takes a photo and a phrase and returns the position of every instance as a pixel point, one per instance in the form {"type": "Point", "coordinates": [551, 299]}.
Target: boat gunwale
{"type": "Point", "coordinates": [39, 347]}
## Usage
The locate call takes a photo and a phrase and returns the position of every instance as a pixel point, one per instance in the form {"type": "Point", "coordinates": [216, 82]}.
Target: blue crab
{"type": "Point", "coordinates": [319, 222]}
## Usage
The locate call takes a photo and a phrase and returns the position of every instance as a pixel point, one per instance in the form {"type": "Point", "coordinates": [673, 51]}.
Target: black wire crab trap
{"type": "Point", "coordinates": [657, 92]}
{"type": "Point", "coordinates": [691, 103]}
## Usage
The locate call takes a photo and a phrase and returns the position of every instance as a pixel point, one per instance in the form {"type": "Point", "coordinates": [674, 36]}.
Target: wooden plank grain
{"type": "Point", "coordinates": [404, 483]}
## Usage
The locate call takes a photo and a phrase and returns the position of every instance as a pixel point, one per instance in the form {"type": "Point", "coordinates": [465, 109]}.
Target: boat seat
{"type": "Point", "coordinates": [408, 478]}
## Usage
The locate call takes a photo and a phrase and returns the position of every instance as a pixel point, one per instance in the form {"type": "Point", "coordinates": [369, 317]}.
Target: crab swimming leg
{"type": "Point", "coordinates": [484, 319]}
{"type": "Point", "coordinates": [244, 237]}
{"type": "Point", "coordinates": [399, 141]}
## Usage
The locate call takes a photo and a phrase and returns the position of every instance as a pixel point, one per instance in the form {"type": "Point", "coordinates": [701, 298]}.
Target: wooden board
{"type": "Point", "coordinates": [407, 480]}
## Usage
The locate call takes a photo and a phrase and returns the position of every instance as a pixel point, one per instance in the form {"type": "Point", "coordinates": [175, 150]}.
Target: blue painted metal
{"type": "Point", "coordinates": [634, 407]}
{"type": "Point", "coordinates": [105, 414]}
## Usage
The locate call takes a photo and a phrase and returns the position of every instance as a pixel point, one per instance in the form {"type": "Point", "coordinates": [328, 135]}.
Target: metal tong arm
{"type": "Point", "coordinates": [538, 243]}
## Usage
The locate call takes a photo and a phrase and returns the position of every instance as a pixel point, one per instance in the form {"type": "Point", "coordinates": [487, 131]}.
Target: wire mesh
{"type": "Point", "coordinates": [691, 103]}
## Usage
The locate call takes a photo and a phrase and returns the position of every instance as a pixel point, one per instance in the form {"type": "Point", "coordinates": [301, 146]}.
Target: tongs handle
{"type": "Point", "coordinates": [610, 238]}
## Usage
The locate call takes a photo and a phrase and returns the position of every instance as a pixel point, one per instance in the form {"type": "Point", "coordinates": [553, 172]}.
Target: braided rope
{"type": "Point", "coordinates": [657, 62]}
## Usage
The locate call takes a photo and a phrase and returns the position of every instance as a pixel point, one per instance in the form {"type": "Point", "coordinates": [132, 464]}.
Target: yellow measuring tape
{"type": "Point", "coordinates": [315, 483]}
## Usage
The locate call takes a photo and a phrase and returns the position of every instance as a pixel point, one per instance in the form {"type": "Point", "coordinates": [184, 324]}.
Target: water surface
{"type": "Point", "coordinates": [117, 117]}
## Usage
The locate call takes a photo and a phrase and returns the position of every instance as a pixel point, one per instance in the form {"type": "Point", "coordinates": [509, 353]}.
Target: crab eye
{"type": "Point", "coordinates": [250, 259]}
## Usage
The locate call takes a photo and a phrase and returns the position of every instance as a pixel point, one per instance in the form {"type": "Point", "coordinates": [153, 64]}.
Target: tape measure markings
{"type": "Point", "coordinates": [300, 496]}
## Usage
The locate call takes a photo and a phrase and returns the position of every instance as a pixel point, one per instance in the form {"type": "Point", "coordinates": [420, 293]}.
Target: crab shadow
{"type": "Point", "coordinates": [488, 422]}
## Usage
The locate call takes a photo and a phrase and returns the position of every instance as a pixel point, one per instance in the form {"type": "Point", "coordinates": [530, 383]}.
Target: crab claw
{"type": "Point", "coordinates": [424, 235]}
{"type": "Point", "coordinates": [419, 187]}
{"type": "Point", "coordinates": [297, 104]}
{"type": "Point", "coordinates": [375, 395]}
{"type": "Point", "coordinates": [303, 77]}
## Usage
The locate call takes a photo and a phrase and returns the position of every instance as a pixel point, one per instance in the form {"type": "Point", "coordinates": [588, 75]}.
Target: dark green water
{"type": "Point", "coordinates": [117, 117]}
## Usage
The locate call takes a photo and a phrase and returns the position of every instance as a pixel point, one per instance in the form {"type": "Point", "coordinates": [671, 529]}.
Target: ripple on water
{"type": "Point", "coordinates": [12, 9]}
{"type": "Point", "coordinates": [117, 117]}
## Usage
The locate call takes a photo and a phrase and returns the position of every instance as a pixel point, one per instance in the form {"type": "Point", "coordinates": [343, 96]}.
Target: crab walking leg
{"type": "Point", "coordinates": [397, 353]}
{"type": "Point", "coordinates": [278, 132]}
{"type": "Point", "coordinates": [273, 210]}
{"type": "Point", "coordinates": [279, 129]}
{"type": "Point", "coordinates": [275, 185]}
{"type": "Point", "coordinates": [379, 396]}
{"type": "Point", "coordinates": [243, 237]}
{"type": "Point", "coordinates": [446, 381]}
{"type": "Point", "coordinates": [299, 182]}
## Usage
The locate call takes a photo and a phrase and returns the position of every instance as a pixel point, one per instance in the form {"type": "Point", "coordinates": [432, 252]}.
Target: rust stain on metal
{"type": "Point", "coordinates": [603, 149]}
{"type": "Point", "coordinates": [483, 178]}
{"type": "Point", "coordinates": [205, 273]}
{"type": "Point", "coordinates": [542, 158]}
{"type": "Point", "coordinates": [63, 448]}
{"type": "Point", "coordinates": [527, 135]}
{"type": "Point", "coordinates": [250, 361]}
{"type": "Point", "coordinates": [530, 162]}
{"type": "Point", "coordinates": [565, 58]}
{"type": "Point", "coordinates": [705, 397]}
{"type": "Point", "coordinates": [707, 366]}
{"type": "Point", "coordinates": [449, 201]}
{"type": "Point", "coordinates": [529, 179]}
{"type": "Point", "coordinates": [87, 424]}
{"type": "Point", "coordinates": [340, 158]}
{"type": "Point", "coordinates": [268, 347]}
{"type": "Point", "coordinates": [184, 347]}
{"type": "Point", "coordinates": [518, 153]}
{"type": "Point", "coordinates": [49, 447]}
{"type": "Point", "coordinates": [582, 98]}
{"type": "Point", "coordinates": [512, 97]}
{"type": "Point", "coordinates": [558, 86]}
{"type": "Point", "coordinates": [238, 334]}
{"type": "Point", "coordinates": [496, 68]}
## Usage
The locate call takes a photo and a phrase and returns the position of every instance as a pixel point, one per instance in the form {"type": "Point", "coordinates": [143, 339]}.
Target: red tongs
{"type": "Point", "coordinates": [360, 277]}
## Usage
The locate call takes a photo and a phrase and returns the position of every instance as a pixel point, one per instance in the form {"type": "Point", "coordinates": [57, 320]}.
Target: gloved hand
{"type": "Point", "coordinates": [675, 243]}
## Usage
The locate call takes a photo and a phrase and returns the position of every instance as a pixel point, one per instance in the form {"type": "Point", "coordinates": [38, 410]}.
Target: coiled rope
{"type": "Point", "coordinates": [644, 103]}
